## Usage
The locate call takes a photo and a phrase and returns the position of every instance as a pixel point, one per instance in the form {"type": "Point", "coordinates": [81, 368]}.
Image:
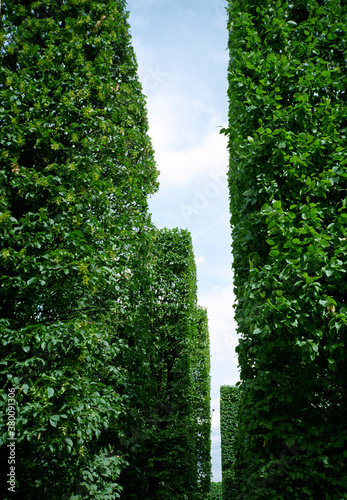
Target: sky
{"type": "Point", "coordinates": [181, 50]}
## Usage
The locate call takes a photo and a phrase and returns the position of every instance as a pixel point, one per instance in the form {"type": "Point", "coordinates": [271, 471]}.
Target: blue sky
{"type": "Point", "coordinates": [181, 49]}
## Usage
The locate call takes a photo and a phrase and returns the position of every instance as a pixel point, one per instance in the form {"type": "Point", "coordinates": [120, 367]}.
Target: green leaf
{"type": "Point", "coordinates": [274, 253]}
{"type": "Point", "coordinates": [50, 392]}
{"type": "Point", "coordinates": [25, 388]}
{"type": "Point", "coordinates": [54, 420]}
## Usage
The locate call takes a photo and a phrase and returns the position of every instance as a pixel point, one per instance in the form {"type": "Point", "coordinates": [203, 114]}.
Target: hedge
{"type": "Point", "coordinates": [170, 430]}
{"type": "Point", "coordinates": [215, 491]}
{"type": "Point", "coordinates": [288, 179]}
{"type": "Point", "coordinates": [76, 168]}
{"type": "Point", "coordinates": [229, 409]}
{"type": "Point", "coordinates": [103, 343]}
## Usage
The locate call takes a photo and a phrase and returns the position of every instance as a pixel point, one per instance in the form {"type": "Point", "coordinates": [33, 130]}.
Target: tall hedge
{"type": "Point", "coordinates": [76, 167]}
{"type": "Point", "coordinates": [168, 434]}
{"type": "Point", "coordinates": [201, 366]}
{"type": "Point", "coordinates": [229, 410]}
{"type": "Point", "coordinates": [215, 492]}
{"type": "Point", "coordinates": [288, 180]}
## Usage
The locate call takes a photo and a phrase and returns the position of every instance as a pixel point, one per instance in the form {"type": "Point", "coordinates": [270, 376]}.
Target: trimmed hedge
{"type": "Point", "coordinates": [215, 491]}
{"type": "Point", "coordinates": [230, 397]}
{"type": "Point", "coordinates": [288, 180]}
{"type": "Point", "coordinates": [76, 168]}
{"type": "Point", "coordinates": [201, 367]}
{"type": "Point", "coordinates": [170, 430]}
{"type": "Point", "coordinates": [102, 340]}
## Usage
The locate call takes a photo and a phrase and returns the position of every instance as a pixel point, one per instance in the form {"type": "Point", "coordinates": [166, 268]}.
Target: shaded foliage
{"type": "Point", "coordinates": [215, 491]}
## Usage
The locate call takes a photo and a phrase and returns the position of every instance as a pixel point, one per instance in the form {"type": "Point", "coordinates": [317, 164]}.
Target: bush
{"type": "Point", "coordinates": [168, 427]}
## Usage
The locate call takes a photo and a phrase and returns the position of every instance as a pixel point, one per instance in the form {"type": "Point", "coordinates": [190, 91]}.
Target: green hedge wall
{"type": "Point", "coordinates": [229, 408]}
{"type": "Point", "coordinates": [76, 167]}
{"type": "Point", "coordinates": [201, 366]}
{"type": "Point", "coordinates": [288, 180]}
{"type": "Point", "coordinates": [183, 382]}
{"type": "Point", "coordinates": [169, 431]}
{"type": "Point", "coordinates": [102, 341]}
{"type": "Point", "coordinates": [215, 491]}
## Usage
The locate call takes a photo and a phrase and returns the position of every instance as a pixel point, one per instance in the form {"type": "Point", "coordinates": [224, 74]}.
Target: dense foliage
{"type": "Point", "coordinates": [170, 431]}
{"type": "Point", "coordinates": [215, 491]}
{"type": "Point", "coordinates": [102, 341]}
{"type": "Point", "coordinates": [76, 169]}
{"type": "Point", "coordinates": [288, 180]}
{"type": "Point", "coordinates": [201, 383]}
{"type": "Point", "coordinates": [229, 408]}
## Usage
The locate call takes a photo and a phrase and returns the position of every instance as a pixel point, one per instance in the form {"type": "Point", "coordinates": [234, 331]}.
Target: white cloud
{"type": "Point", "coordinates": [222, 326]}
{"type": "Point", "coordinates": [200, 260]}
{"type": "Point", "coordinates": [182, 166]}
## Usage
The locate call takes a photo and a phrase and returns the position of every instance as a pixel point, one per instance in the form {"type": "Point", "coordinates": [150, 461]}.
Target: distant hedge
{"type": "Point", "coordinates": [229, 408]}
{"type": "Point", "coordinates": [215, 491]}
{"type": "Point", "coordinates": [201, 374]}
{"type": "Point", "coordinates": [288, 180]}
{"type": "Point", "coordinates": [170, 430]}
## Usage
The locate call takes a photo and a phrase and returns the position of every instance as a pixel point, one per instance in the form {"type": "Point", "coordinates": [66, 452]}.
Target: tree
{"type": "Point", "coordinates": [76, 167]}
{"type": "Point", "coordinates": [287, 177]}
